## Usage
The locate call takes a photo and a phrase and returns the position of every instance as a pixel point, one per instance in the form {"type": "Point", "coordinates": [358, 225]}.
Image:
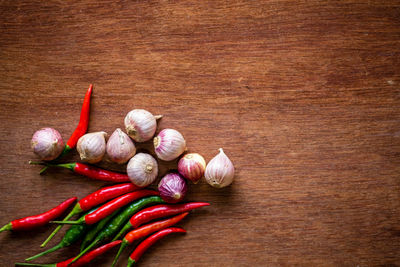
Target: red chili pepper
{"type": "Point", "coordinates": [83, 121]}
{"type": "Point", "coordinates": [110, 207]}
{"type": "Point", "coordinates": [103, 194]}
{"type": "Point", "coordinates": [36, 221]}
{"type": "Point", "coordinates": [100, 174]}
{"type": "Point", "coordinates": [148, 242]}
{"type": "Point", "coordinates": [90, 171]}
{"type": "Point", "coordinates": [160, 211]}
{"type": "Point", "coordinates": [146, 230]}
{"type": "Point", "coordinates": [156, 212]}
{"type": "Point", "coordinates": [86, 259]}
{"type": "Point", "coordinates": [92, 200]}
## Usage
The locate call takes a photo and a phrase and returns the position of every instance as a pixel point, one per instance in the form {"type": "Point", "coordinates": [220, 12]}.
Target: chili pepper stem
{"type": "Point", "coordinates": [70, 166]}
{"type": "Point", "coordinates": [60, 245]}
{"type": "Point", "coordinates": [65, 151]}
{"type": "Point", "coordinates": [126, 227]}
{"type": "Point", "coordinates": [68, 222]}
{"type": "Point", "coordinates": [43, 170]}
{"type": "Point", "coordinates": [77, 209]}
{"type": "Point", "coordinates": [7, 227]}
{"type": "Point", "coordinates": [131, 262]}
{"type": "Point", "coordinates": [36, 162]}
{"type": "Point", "coordinates": [124, 244]}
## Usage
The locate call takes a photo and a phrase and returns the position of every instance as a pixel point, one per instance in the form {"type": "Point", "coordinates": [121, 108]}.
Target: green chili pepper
{"type": "Point", "coordinates": [118, 221]}
{"type": "Point", "coordinates": [92, 233]}
{"type": "Point", "coordinates": [73, 234]}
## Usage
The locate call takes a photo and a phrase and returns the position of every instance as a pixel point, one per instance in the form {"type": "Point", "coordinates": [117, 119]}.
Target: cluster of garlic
{"type": "Point", "coordinates": [142, 168]}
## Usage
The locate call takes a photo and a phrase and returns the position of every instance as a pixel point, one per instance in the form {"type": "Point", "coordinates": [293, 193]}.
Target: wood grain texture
{"type": "Point", "coordinates": [304, 97]}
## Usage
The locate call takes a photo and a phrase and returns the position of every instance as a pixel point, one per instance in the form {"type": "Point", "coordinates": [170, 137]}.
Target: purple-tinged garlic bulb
{"type": "Point", "coordinates": [172, 188]}
{"type": "Point", "coordinates": [47, 143]}
{"type": "Point", "coordinates": [169, 144]}
{"type": "Point", "coordinates": [192, 166]}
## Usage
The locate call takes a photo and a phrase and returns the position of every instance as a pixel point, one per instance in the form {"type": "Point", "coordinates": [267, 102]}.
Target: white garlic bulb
{"type": "Point", "coordinates": [120, 147]}
{"type": "Point", "coordinates": [92, 147]}
{"type": "Point", "coordinates": [219, 171]}
{"type": "Point", "coordinates": [142, 169]}
{"type": "Point", "coordinates": [47, 143]}
{"type": "Point", "coordinates": [141, 124]}
{"type": "Point", "coordinates": [169, 144]}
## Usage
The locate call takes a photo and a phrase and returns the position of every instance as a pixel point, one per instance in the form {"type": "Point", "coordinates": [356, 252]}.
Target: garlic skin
{"type": "Point", "coordinates": [192, 166]}
{"type": "Point", "coordinates": [120, 147]}
{"type": "Point", "coordinates": [142, 169]}
{"type": "Point", "coordinates": [219, 171]}
{"type": "Point", "coordinates": [92, 147]}
{"type": "Point", "coordinates": [140, 124]}
{"type": "Point", "coordinates": [47, 143]}
{"type": "Point", "coordinates": [169, 144]}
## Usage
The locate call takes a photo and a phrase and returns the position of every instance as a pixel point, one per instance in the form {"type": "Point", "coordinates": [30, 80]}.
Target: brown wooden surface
{"type": "Point", "coordinates": [304, 96]}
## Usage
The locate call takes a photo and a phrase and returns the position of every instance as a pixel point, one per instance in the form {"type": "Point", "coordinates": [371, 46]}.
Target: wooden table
{"type": "Point", "coordinates": [304, 97]}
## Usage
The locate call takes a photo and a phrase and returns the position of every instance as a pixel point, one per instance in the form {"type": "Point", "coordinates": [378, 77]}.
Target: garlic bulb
{"type": "Point", "coordinates": [192, 166]}
{"type": "Point", "coordinates": [172, 188]}
{"type": "Point", "coordinates": [169, 144]}
{"type": "Point", "coordinates": [120, 147]}
{"type": "Point", "coordinates": [142, 169]}
{"type": "Point", "coordinates": [92, 147]}
{"type": "Point", "coordinates": [140, 125]}
{"type": "Point", "coordinates": [219, 171]}
{"type": "Point", "coordinates": [47, 143]}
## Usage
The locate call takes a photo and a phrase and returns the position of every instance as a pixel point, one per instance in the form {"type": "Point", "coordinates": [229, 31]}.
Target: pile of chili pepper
{"type": "Point", "coordinates": [118, 214]}
{"type": "Point", "coordinates": [108, 213]}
